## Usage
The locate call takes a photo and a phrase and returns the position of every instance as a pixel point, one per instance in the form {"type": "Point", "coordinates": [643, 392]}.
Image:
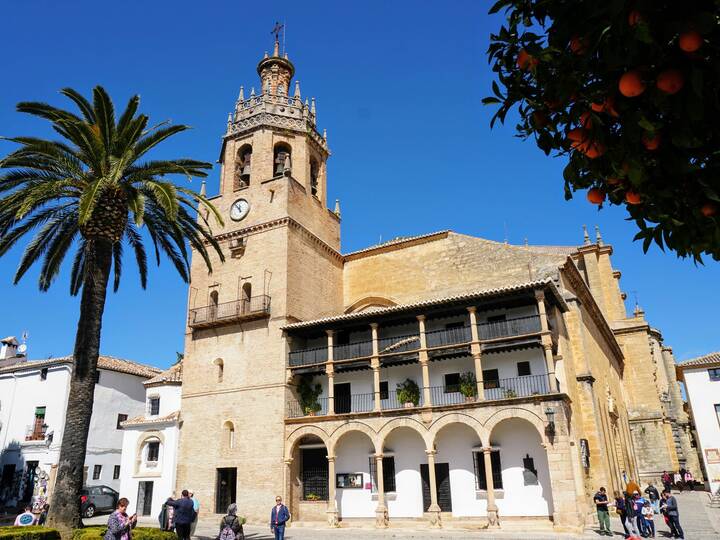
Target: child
{"type": "Point", "coordinates": [648, 513]}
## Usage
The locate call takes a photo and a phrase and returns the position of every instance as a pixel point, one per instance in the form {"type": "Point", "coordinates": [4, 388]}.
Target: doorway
{"type": "Point", "coordinates": [442, 479]}
{"type": "Point", "coordinates": [314, 474]}
{"type": "Point", "coordinates": [30, 475]}
{"type": "Point", "coordinates": [342, 398]}
{"type": "Point", "coordinates": [144, 498]}
{"type": "Point", "coordinates": [225, 489]}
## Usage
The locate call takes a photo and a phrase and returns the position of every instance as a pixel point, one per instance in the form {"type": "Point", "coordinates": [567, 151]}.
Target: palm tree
{"type": "Point", "coordinates": [92, 193]}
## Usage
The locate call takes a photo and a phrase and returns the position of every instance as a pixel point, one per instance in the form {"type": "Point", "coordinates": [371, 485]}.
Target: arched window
{"type": "Point", "coordinates": [220, 369]}
{"type": "Point", "coordinates": [281, 160]}
{"type": "Point", "coordinates": [242, 167]}
{"type": "Point", "coordinates": [229, 434]}
{"type": "Point", "coordinates": [212, 309]}
{"type": "Point", "coordinates": [314, 176]}
{"type": "Point", "coordinates": [151, 451]}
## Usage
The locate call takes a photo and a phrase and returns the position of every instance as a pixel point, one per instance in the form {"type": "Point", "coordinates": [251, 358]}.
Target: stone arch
{"type": "Point", "coordinates": [348, 428]}
{"type": "Point", "coordinates": [516, 412]}
{"type": "Point", "coordinates": [411, 423]}
{"type": "Point", "coordinates": [370, 301]}
{"type": "Point", "coordinates": [282, 159]}
{"type": "Point", "coordinates": [458, 418]}
{"type": "Point", "coordinates": [145, 437]}
{"type": "Point", "coordinates": [295, 437]}
{"type": "Point", "coordinates": [220, 365]}
{"type": "Point", "coordinates": [228, 430]}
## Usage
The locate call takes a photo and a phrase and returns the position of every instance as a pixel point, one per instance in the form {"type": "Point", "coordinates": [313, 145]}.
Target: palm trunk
{"type": "Point", "coordinates": [65, 504]}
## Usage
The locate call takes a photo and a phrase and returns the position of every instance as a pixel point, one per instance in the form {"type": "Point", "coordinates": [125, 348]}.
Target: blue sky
{"type": "Point", "coordinates": [398, 87]}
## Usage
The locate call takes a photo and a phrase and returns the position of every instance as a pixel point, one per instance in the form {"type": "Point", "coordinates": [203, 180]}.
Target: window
{"type": "Point", "coordinates": [153, 451]}
{"type": "Point", "coordinates": [491, 378]}
{"type": "Point", "coordinates": [246, 297]}
{"type": "Point", "coordinates": [242, 167]}
{"type": "Point", "coordinates": [314, 175]}
{"type": "Point", "coordinates": [97, 471]}
{"type": "Point", "coordinates": [121, 419]}
{"type": "Point", "coordinates": [154, 406]}
{"type": "Point", "coordinates": [717, 411]}
{"type": "Point", "coordinates": [229, 428]}
{"type": "Point", "coordinates": [714, 374]}
{"type": "Point", "coordinates": [388, 463]}
{"type": "Point", "coordinates": [281, 160]}
{"type": "Point", "coordinates": [43, 374]}
{"type": "Point", "coordinates": [116, 472]}
{"type": "Point", "coordinates": [452, 383]}
{"type": "Point", "coordinates": [479, 462]}
{"type": "Point", "coordinates": [37, 432]}
{"type": "Point", "coordinates": [523, 369]}
{"type": "Point", "coordinates": [220, 369]}
{"type": "Point", "coordinates": [384, 394]}
{"type": "Point", "coordinates": [97, 377]}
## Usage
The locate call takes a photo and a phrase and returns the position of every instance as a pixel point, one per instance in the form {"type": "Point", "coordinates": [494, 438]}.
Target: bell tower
{"type": "Point", "coordinates": [282, 264]}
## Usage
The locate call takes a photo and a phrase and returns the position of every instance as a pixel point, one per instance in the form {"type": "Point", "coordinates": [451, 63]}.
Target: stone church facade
{"type": "Point", "coordinates": [439, 378]}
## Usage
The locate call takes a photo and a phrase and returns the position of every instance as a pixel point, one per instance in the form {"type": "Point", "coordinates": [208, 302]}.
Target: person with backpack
{"type": "Point", "coordinates": [231, 527]}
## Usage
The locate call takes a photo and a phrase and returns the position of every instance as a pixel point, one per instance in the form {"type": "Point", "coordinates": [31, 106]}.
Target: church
{"type": "Point", "coordinates": [435, 379]}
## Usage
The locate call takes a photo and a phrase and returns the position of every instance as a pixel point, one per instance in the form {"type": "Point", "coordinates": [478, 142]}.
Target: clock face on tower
{"type": "Point", "coordinates": [239, 210]}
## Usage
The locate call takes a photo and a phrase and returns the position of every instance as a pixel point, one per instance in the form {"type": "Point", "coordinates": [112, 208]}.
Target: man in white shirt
{"type": "Point", "coordinates": [26, 519]}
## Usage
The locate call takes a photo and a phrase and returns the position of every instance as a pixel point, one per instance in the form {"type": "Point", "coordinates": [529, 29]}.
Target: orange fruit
{"type": "Point", "coordinates": [586, 120]}
{"type": "Point", "coordinates": [577, 136]}
{"type": "Point", "coordinates": [651, 142]}
{"type": "Point", "coordinates": [578, 45]}
{"type": "Point", "coordinates": [631, 84]}
{"type": "Point", "coordinates": [592, 149]}
{"type": "Point", "coordinates": [613, 181]}
{"type": "Point", "coordinates": [632, 197]}
{"type": "Point", "coordinates": [596, 195]}
{"type": "Point", "coordinates": [708, 209]}
{"type": "Point", "coordinates": [690, 41]}
{"type": "Point", "coordinates": [634, 17]}
{"type": "Point", "coordinates": [670, 81]}
{"type": "Point", "coordinates": [598, 107]}
{"type": "Point", "coordinates": [525, 60]}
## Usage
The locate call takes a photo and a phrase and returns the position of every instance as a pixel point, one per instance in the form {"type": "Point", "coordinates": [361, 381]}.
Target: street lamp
{"type": "Point", "coordinates": [550, 413]}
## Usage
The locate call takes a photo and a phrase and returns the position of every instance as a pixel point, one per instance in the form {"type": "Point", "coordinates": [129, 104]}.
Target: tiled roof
{"type": "Point", "coordinates": [142, 421]}
{"type": "Point", "coordinates": [172, 375]}
{"type": "Point", "coordinates": [432, 302]}
{"type": "Point", "coordinates": [398, 241]}
{"type": "Point", "coordinates": [707, 360]}
{"type": "Point", "coordinates": [110, 363]}
{"type": "Point", "coordinates": [10, 340]}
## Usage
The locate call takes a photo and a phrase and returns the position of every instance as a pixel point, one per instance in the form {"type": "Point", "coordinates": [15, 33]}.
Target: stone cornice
{"type": "Point", "coordinates": [582, 290]}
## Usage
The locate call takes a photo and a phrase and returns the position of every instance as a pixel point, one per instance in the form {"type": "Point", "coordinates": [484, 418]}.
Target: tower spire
{"type": "Point", "coordinates": [598, 236]}
{"type": "Point", "coordinates": [586, 236]}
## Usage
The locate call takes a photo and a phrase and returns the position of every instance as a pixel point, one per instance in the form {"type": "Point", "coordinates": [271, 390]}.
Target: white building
{"type": "Point", "coordinates": [33, 402]}
{"type": "Point", "coordinates": [149, 446]}
{"type": "Point", "coordinates": [702, 386]}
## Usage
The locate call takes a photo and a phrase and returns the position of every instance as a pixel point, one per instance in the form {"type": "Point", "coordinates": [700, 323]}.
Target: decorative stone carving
{"type": "Point", "coordinates": [381, 517]}
{"type": "Point", "coordinates": [493, 517]}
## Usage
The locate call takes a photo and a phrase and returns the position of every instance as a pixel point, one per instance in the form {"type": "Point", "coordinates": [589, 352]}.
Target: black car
{"type": "Point", "coordinates": [94, 499]}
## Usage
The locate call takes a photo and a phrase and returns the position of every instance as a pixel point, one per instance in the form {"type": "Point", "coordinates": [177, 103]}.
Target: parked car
{"type": "Point", "coordinates": [94, 499]}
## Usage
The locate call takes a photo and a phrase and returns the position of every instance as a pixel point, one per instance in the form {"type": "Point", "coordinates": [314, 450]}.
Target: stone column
{"type": "Point", "coordinates": [332, 512]}
{"type": "Point", "coordinates": [423, 358]}
{"type": "Point", "coordinates": [330, 371]}
{"type": "Point", "coordinates": [381, 513]}
{"type": "Point", "coordinates": [492, 509]}
{"type": "Point", "coordinates": [550, 363]}
{"type": "Point", "coordinates": [546, 341]}
{"type": "Point", "coordinates": [375, 365]}
{"type": "Point", "coordinates": [287, 480]}
{"type": "Point", "coordinates": [434, 509]}
{"type": "Point", "coordinates": [476, 351]}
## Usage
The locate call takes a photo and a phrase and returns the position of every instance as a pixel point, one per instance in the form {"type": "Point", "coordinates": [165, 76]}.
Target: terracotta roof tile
{"type": "Point", "coordinates": [142, 420]}
{"type": "Point", "coordinates": [110, 363]}
{"type": "Point", "coordinates": [707, 360]}
{"type": "Point", "coordinates": [172, 375]}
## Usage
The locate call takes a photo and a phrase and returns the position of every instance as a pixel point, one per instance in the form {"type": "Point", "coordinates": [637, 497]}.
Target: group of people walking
{"type": "Point", "coordinates": [680, 480]}
{"type": "Point", "coordinates": [637, 512]}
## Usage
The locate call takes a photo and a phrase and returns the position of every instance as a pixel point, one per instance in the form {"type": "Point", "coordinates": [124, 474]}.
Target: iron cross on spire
{"type": "Point", "coordinates": [277, 29]}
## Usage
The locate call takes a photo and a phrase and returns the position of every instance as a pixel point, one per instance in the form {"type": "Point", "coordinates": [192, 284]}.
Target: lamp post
{"type": "Point", "coordinates": [550, 413]}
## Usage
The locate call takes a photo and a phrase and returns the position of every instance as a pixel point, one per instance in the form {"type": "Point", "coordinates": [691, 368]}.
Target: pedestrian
{"type": "Point", "coordinates": [648, 514]}
{"type": "Point", "coordinates": [632, 487]}
{"type": "Point", "coordinates": [673, 515]}
{"type": "Point", "coordinates": [43, 515]}
{"type": "Point", "coordinates": [183, 515]}
{"type": "Point", "coordinates": [678, 481]}
{"type": "Point", "coordinates": [666, 481]}
{"type": "Point", "coordinates": [120, 525]}
{"type": "Point", "coordinates": [638, 503]}
{"type": "Point", "coordinates": [601, 505]}
{"type": "Point", "coordinates": [231, 527]}
{"type": "Point", "coordinates": [26, 519]}
{"type": "Point", "coordinates": [279, 516]}
{"type": "Point", "coordinates": [652, 493]}
{"type": "Point", "coordinates": [620, 510]}
{"type": "Point", "coordinates": [689, 480]}
{"type": "Point", "coordinates": [196, 509]}
{"type": "Point", "coordinates": [631, 516]}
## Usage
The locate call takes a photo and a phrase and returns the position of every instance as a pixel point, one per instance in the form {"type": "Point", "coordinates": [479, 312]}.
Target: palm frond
{"type": "Point", "coordinates": [83, 104]}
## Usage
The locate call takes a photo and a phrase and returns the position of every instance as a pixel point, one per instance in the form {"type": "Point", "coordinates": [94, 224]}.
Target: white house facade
{"type": "Point", "coordinates": [149, 445]}
{"type": "Point", "coordinates": [33, 402]}
{"type": "Point", "coordinates": [702, 385]}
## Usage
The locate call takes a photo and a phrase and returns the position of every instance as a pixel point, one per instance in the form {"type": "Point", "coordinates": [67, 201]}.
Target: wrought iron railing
{"type": "Point", "coordinates": [228, 311]}
{"type": "Point", "coordinates": [509, 327]}
{"type": "Point", "coordinates": [447, 395]}
{"type": "Point", "coordinates": [529, 385]}
{"type": "Point", "coordinates": [308, 357]}
{"type": "Point", "coordinates": [359, 349]}
{"type": "Point", "coordinates": [354, 403]}
{"type": "Point", "coordinates": [35, 432]}
{"type": "Point", "coordinates": [448, 336]}
{"type": "Point", "coordinates": [398, 344]}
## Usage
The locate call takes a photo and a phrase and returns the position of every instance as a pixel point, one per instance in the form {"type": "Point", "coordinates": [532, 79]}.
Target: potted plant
{"type": "Point", "coordinates": [468, 386]}
{"type": "Point", "coordinates": [408, 393]}
{"type": "Point", "coordinates": [312, 497]}
{"type": "Point", "coordinates": [510, 393]}
{"type": "Point", "coordinates": [309, 395]}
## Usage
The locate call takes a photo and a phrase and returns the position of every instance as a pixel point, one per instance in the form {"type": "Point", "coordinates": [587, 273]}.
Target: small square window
{"type": "Point", "coordinates": [153, 451]}
{"type": "Point", "coordinates": [121, 418]}
{"type": "Point", "coordinates": [714, 374]}
{"type": "Point", "coordinates": [452, 382]}
{"type": "Point", "coordinates": [43, 374]}
{"type": "Point", "coordinates": [116, 472]}
{"type": "Point", "coordinates": [523, 368]}
{"type": "Point", "coordinates": [97, 471]}
{"type": "Point", "coordinates": [384, 394]}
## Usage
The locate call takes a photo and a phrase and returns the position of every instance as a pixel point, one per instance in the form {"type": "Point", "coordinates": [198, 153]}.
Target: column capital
{"type": "Point", "coordinates": [330, 370]}
{"type": "Point", "coordinates": [379, 456]}
{"type": "Point", "coordinates": [288, 461]}
{"type": "Point", "coordinates": [374, 325]}
{"type": "Point", "coordinates": [472, 309]}
{"type": "Point", "coordinates": [421, 317]}
{"type": "Point", "coordinates": [539, 295]}
{"type": "Point", "coordinates": [330, 333]}
{"type": "Point", "coordinates": [487, 449]}
{"type": "Point", "coordinates": [331, 459]}
{"type": "Point", "coordinates": [431, 452]}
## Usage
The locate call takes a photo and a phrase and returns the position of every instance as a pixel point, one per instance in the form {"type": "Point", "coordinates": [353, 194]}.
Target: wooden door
{"type": "Point", "coordinates": [442, 479]}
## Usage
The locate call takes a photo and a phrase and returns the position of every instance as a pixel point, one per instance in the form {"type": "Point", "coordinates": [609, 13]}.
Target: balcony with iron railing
{"type": "Point", "coordinates": [440, 396]}
{"type": "Point", "coordinates": [245, 309]}
{"type": "Point", "coordinates": [36, 432]}
{"type": "Point", "coordinates": [445, 338]}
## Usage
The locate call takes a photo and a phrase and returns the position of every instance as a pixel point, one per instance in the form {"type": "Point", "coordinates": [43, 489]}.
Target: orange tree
{"type": "Point", "coordinates": [630, 93]}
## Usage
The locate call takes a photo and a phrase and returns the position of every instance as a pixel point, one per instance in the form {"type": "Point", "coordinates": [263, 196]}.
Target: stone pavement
{"type": "Point", "coordinates": [696, 519]}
